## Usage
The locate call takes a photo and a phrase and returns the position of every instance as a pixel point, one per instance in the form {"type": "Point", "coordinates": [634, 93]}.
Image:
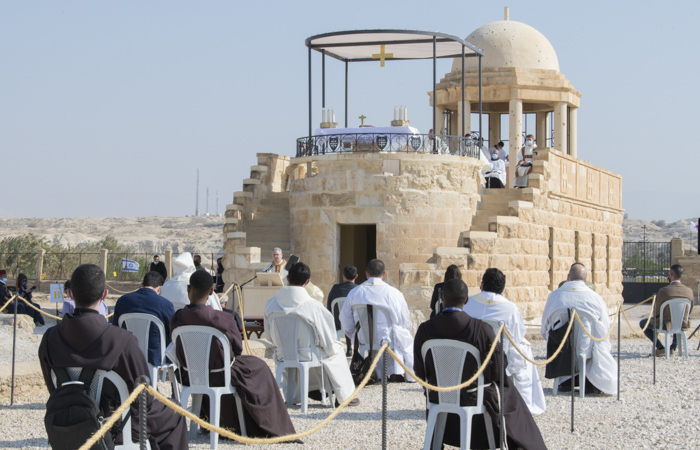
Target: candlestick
{"type": "Point", "coordinates": [405, 113]}
{"type": "Point", "coordinates": [333, 115]}
{"type": "Point", "coordinates": [394, 112]}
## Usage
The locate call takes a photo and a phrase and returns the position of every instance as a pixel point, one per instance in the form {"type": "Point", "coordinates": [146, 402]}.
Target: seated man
{"type": "Point", "coordinates": [496, 177]}
{"type": "Point", "coordinates": [674, 290]}
{"type": "Point", "coordinates": [375, 291]}
{"type": "Point", "coordinates": [453, 323]}
{"type": "Point", "coordinates": [524, 166]}
{"type": "Point", "coordinates": [175, 289]}
{"type": "Point", "coordinates": [601, 368]}
{"type": "Point", "coordinates": [5, 294]}
{"type": "Point", "coordinates": [147, 300]}
{"type": "Point", "coordinates": [263, 406]}
{"type": "Point", "coordinates": [293, 299]}
{"type": "Point", "coordinates": [490, 304]}
{"type": "Point", "coordinates": [342, 290]}
{"type": "Point", "coordinates": [85, 339]}
{"type": "Point", "coordinates": [69, 304]}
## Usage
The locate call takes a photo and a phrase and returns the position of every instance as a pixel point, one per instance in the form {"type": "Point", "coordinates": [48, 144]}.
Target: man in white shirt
{"type": "Point", "coordinates": [375, 291]}
{"type": "Point", "coordinates": [601, 368]}
{"type": "Point", "coordinates": [294, 299]}
{"type": "Point", "coordinates": [490, 304]}
{"type": "Point", "coordinates": [496, 177]}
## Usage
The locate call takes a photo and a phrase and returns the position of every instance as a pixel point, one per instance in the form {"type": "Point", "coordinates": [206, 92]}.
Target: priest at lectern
{"type": "Point", "coordinates": [277, 265]}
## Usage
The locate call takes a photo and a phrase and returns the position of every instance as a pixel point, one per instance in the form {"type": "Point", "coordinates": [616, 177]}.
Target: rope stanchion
{"type": "Point", "coordinates": [116, 415]}
{"type": "Point", "coordinates": [274, 440]}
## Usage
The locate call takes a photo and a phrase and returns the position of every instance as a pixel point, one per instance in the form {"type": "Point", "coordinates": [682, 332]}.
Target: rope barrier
{"type": "Point", "coordinates": [7, 304]}
{"type": "Point", "coordinates": [37, 309]}
{"type": "Point", "coordinates": [551, 358]}
{"type": "Point", "coordinates": [590, 335]}
{"type": "Point", "coordinates": [651, 313]}
{"type": "Point", "coordinates": [116, 415]}
{"type": "Point", "coordinates": [121, 292]}
{"type": "Point", "coordinates": [290, 437]}
{"type": "Point", "coordinates": [239, 295]}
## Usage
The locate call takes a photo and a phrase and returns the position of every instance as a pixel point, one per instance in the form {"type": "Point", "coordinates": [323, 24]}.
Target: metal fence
{"type": "Point", "coordinates": [60, 265]}
{"type": "Point", "coordinates": [646, 262]}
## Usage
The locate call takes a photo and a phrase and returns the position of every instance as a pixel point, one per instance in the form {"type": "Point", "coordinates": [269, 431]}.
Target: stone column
{"type": "Point", "coordinates": [466, 110]}
{"type": "Point", "coordinates": [494, 129]}
{"type": "Point", "coordinates": [439, 119]}
{"type": "Point", "coordinates": [103, 260]}
{"type": "Point", "coordinates": [39, 266]}
{"type": "Point", "coordinates": [573, 132]}
{"type": "Point", "coordinates": [168, 261]}
{"type": "Point", "coordinates": [541, 129]}
{"type": "Point", "coordinates": [515, 110]}
{"type": "Point", "coordinates": [676, 250]}
{"type": "Point", "coordinates": [559, 124]}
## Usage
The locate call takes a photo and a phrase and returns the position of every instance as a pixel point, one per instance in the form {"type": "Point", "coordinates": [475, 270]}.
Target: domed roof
{"type": "Point", "coordinates": [507, 43]}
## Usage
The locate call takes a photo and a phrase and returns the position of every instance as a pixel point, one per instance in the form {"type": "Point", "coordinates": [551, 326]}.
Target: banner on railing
{"type": "Point", "coordinates": [129, 265]}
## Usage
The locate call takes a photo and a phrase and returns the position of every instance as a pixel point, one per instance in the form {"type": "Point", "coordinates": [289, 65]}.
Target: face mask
{"type": "Point", "coordinates": [4, 280]}
{"type": "Point", "coordinates": [24, 283]}
{"type": "Point", "coordinates": [156, 262]}
{"type": "Point", "coordinates": [528, 142]}
{"type": "Point", "coordinates": [494, 156]}
{"type": "Point", "coordinates": [469, 142]}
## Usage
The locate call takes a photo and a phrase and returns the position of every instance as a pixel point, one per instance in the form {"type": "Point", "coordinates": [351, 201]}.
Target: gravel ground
{"type": "Point", "coordinates": [647, 416]}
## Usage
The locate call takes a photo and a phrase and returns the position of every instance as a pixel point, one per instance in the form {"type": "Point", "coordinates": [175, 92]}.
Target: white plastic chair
{"type": "Point", "coordinates": [196, 342]}
{"type": "Point", "coordinates": [96, 389]}
{"type": "Point", "coordinates": [563, 316]}
{"type": "Point", "coordinates": [448, 362]}
{"type": "Point", "coordinates": [383, 329]}
{"type": "Point", "coordinates": [677, 308]}
{"type": "Point", "coordinates": [287, 331]}
{"type": "Point", "coordinates": [506, 342]}
{"type": "Point", "coordinates": [139, 324]}
{"type": "Point", "coordinates": [337, 303]}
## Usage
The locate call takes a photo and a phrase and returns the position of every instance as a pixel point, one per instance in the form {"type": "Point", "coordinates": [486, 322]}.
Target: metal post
{"type": "Point", "coordinates": [464, 132]}
{"type": "Point", "coordinates": [309, 97]}
{"type": "Point", "coordinates": [481, 135]}
{"type": "Point", "coordinates": [346, 93]}
{"type": "Point", "coordinates": [143, 428]}
{"type": "Point", "coordinates": [501, 418]}
{"type": "Point", "coordinates": [385, 368]}
{"type": "Point", "coordinates": [644, 256]}
{"type": "Point", "coordinates": [653, 344]}
{"type": "Point", "coordinates": [323, 79]}
{"type": "Point", "coordinates": [582, 383]}
{"type": "Point", "coordinates": [14, 351]}
{"type": "Point", "coordinates": [618, 352]}
{"type": "Point", "coordinates": [434, 93]}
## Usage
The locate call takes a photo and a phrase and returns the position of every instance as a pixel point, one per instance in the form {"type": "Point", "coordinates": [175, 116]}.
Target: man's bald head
{"type": "Point", "coordinates": [577, 272]}
{"type": "Point", "coordinates": [454, 293]}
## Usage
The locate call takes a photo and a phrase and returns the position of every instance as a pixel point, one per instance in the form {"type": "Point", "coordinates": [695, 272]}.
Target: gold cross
{"type": "Point", "coordinates": [489, 302]}
{"type": "Point", "coordinates": [362, 118]}
{"type": "Point", "coordinates": [381, 56]}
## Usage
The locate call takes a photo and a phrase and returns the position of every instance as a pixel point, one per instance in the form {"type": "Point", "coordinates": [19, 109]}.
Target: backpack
{"type": "Point", "coordinates": [72, 415]}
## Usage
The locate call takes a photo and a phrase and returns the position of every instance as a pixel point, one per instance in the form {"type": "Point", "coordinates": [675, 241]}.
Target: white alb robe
{"type": "Point", "coordinates": [601, 368]}
{"type": "Point", "coordinates": [175, 289]}
{"type": "Point", "coordinates": [521, 172]}
{"type": "Point", "coordinates": [376, 292]}
{"type": "Point", "coordinates": [492, 306]}
{"type": "Point", "coordinates": [295, 299]}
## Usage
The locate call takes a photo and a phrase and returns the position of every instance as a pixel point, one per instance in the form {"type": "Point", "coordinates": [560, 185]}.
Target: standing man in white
{"type": "Point", "coordinates": [601, 368]}
{"type": "Point", "coordinates": [375, 291]}
{"type": "Point", "coordinates": [175, 289]}
{"type": "Point", "coordinates": [490, 304]}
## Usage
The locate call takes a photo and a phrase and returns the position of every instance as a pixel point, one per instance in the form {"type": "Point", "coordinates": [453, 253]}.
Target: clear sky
{"type": "Point", "coordinates": [108, 108]}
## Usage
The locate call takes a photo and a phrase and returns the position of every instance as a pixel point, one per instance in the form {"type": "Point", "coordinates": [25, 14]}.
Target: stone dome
{"type": "Point", "coordinates": [507, 43]}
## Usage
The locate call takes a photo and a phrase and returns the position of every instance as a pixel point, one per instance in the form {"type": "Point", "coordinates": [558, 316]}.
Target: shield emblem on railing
{"type": "Point", "coordinates": [415, 142]}
{"type": "Point", "coordinates": [333, 143]}
{"type": "Point", "coordinates": [382, 140]}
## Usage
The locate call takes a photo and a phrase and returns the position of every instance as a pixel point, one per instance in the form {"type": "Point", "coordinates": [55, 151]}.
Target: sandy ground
{"type": "Point", "coordinates": [659, 416]}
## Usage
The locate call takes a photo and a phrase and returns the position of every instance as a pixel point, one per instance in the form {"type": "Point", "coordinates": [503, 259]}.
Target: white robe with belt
{"type": "Point", "coordinates": [175, 289]}
{"type": "Point", "coordinates": [492, 306]}
{"type": "Point", "coordinates": [295, 299]}
{"type": "Point", "coordinates": [376, 292]}
{"type": "Point", "coordinates": [601, 368]}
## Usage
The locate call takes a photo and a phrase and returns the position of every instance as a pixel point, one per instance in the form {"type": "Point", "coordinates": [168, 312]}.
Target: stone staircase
{"type": "Point", "coordinates": [269, 226]}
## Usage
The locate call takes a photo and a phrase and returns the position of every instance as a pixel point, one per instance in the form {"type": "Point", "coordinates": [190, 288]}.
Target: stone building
{"type": "Point", "coordinates": [421, 212]}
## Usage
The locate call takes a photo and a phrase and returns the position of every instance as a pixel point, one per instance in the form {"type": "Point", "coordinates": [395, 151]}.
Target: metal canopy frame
{"type": "Point", "coordinates": [361, 45]}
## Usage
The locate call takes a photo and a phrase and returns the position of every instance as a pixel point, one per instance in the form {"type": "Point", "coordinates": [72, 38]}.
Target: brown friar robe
{"type": "Point", "coordinates": [521, 429]}
{"type": "Point", "coordinates": [85, 339]}
{"type": "Point", "coordinates": [263, 405]}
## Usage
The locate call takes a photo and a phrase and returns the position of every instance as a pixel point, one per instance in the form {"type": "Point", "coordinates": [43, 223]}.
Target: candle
{"type": "Point", "coordinates": [333, 115]}
{"type": "Point", "coordinates": [400, 113]}
{"type": "Point", "coordinates": [395, 113]}
{"type": "Point", "coordinates": [405, 113]}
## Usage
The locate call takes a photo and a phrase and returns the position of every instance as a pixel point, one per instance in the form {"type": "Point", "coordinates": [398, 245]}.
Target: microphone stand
{"type": "Point", "coordinates": [248, 281]}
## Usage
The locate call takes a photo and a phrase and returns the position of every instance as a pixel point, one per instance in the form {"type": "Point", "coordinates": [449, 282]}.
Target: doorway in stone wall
{"type": "Point", "coordinates": [358, 245]}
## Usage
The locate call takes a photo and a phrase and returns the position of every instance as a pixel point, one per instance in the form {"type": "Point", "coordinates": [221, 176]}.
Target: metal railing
{"type": "Point", "coordinates": [386, 142]}
{"type": "Point", "coordinates": [646, 261]}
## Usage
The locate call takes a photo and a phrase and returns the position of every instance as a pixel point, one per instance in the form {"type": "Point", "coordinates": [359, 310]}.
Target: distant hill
{"type": "Point", "coordinates": [204, 234]}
